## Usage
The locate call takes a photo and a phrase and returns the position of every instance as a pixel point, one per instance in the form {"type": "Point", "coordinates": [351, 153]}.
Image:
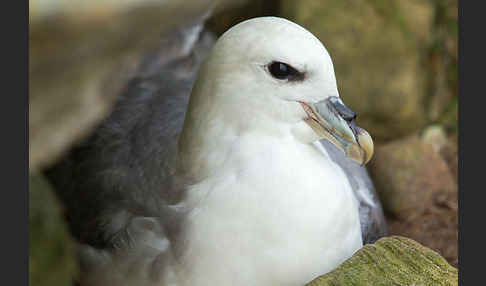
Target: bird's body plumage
{"type": "Point", "coordinates": [281, 218]}
{"type": "Point", "coordinates": [234, 201]}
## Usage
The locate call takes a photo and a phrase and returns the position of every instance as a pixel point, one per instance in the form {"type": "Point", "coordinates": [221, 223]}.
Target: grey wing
{"type": "Point", "coordinates": [123, 170]}
{"type": "Point", "coordinates": [373, 223]}
{"type": "Point", "coordinates": [118, 185]}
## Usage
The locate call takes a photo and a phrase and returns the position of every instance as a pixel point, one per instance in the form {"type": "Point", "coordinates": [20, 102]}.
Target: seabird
{"type": "Point", "coordinates": [260, 182]}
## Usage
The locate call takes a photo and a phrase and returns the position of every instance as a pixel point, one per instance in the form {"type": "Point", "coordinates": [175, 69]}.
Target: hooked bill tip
{"type": "Point", "coordinates": [366, 143]}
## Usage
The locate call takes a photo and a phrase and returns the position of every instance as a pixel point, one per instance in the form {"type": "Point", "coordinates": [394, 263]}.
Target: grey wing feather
{"type": "Point", "coordinates": [373, 223]}
{"type": "Point", "coordinates": [123, 170]}
{"type": "Point", "coordinates": [118, 185]}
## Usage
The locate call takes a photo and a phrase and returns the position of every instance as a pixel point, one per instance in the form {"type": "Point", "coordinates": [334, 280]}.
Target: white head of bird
{"type": "Point", "coordinates": [272, 76]}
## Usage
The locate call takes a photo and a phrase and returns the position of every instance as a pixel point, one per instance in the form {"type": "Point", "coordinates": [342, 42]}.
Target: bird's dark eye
{"type": "Point", "coordinates": [281, 70]}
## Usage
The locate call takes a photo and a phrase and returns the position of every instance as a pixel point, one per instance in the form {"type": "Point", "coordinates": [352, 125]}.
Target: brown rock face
{"type": "Point", "coordinates": [410, 175]}
{"type": "Point", "coordinates": [450, 154]}
{"type": "Point", "coordinates": [419, 193]}
{"type": "Point", "coordinates": [436, 228]}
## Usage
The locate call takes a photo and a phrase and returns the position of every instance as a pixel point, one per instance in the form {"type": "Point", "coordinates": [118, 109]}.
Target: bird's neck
{"type": "Point", "coordinates": [210, 137]}
{"type": "Point", "coordinates": [205, 145]}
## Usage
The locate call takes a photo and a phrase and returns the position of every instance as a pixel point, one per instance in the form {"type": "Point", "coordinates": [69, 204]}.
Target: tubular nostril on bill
{"type": "Point", "coordinates": [346, 113]}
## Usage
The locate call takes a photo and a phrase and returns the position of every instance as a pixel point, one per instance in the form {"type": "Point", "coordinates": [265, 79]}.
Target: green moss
{"type": "Point", "coordinates": [51, 250]}
{"type": "Point", "coordinates": [392, 260]}
{"type": "Point", "coordinates": [449, 118]}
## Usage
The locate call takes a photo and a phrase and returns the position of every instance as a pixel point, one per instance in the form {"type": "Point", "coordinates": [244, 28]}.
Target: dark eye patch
{"type": "Point", "coordinates": [284, 71]}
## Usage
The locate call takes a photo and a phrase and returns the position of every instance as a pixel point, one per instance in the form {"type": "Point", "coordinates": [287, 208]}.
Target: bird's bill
{"type": "Point", "coordinates": [326, 119]}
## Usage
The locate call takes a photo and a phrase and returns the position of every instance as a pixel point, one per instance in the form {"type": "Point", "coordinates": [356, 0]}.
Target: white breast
{"type": "Point", "coordinates": [277, 213]}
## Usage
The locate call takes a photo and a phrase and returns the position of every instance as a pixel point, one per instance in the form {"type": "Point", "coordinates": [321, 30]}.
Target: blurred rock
{"type": "Point", "coordinates": [221, 22]}
{"type": "Point", "coordinates": [52, 258]}
{"type": "Point", "coordinates": [82, 53]}
{"type": "Point", "coordinates": [450, 154]}
{"type": "Point", "coordinates": [435, 228]}
{"type": "Point", "coordinates": [445, 145]}
{"type": "Point", "coordinates": [436, 136]}
{"type": "Point", "coordinates": [441, 65]}
{"type": "Point", "coordinates": [409, 176]}
{"type": "Point", "coordinates": [418, 189]}
{"type": "Point", "coordinates": [392, 261]}
{"type": "Point", "coordinates": [376, 48]}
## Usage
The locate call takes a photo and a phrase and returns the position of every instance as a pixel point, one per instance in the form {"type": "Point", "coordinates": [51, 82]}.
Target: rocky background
{"type": "Point", "coordinates": [395, 63]}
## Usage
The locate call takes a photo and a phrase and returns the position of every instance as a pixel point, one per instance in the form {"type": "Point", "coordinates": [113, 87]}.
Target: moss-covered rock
{"type": "Point", "coordinates": [442, 65]}
{"type": "Point", "coordinates": [392, 261]}
{"type": "Point", "coordinates": [52, 259]}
